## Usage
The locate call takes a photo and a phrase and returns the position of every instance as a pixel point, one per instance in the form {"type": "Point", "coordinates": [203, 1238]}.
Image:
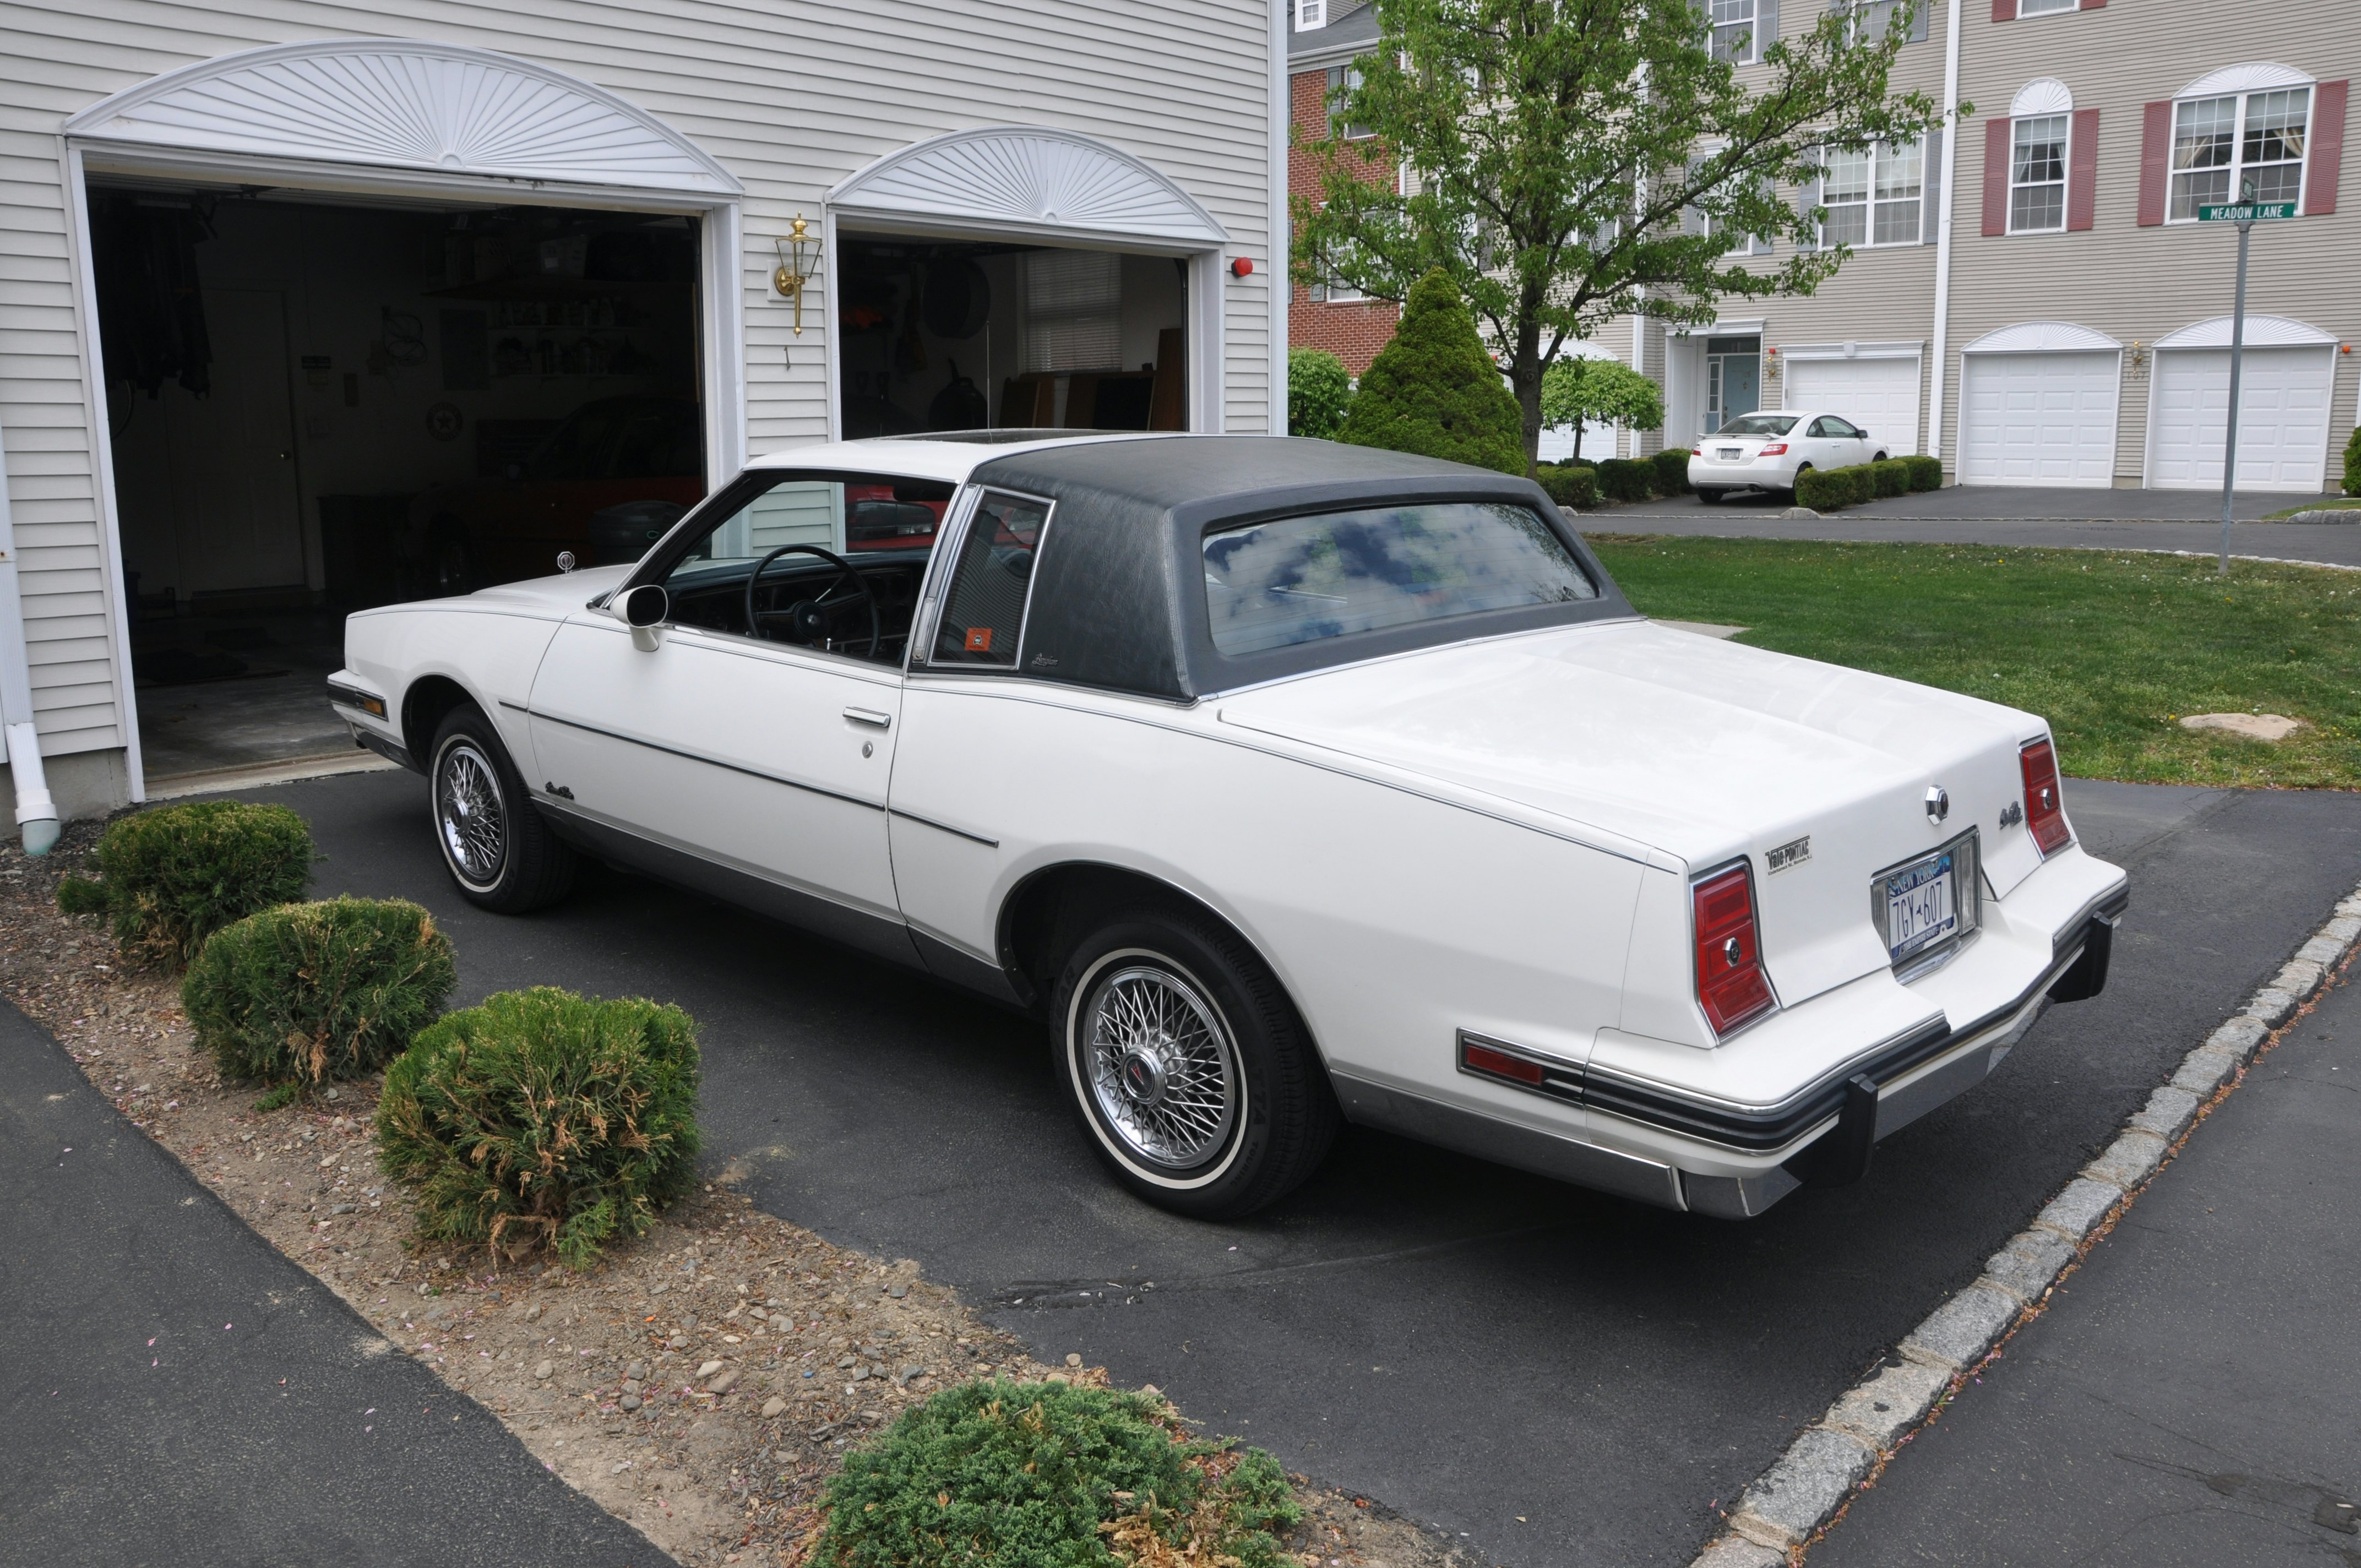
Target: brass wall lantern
{"type": "Point", "coordinates": [799, 260]}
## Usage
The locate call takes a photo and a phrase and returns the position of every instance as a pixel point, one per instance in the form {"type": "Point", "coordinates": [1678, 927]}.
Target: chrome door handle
{"type": "Point", "coordinates": [870, 715]}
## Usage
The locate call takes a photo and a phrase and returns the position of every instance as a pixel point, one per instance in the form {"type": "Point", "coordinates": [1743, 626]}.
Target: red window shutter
{"type": "Point", "coordinates": [2091, 5]}
{"type": "Point", "coordinates": [1996, 176]}
{"type": "Point", "coordinates": [2155, 161]}
{"type": "Point", "coordinates": [2004, 10]}
{"type": "Point", "coordinates": [2326, 159]}
{"type": "Point", "coordinates": [2083, 169]}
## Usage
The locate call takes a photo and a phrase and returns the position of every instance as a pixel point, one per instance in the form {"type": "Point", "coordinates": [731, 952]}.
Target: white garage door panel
{"type": "Point", "coordinates": [2038, 419]}
{"type": "Point", "coordinates": [1879, 395]}
{"type": "Point", "coordinates": [2282, 418]}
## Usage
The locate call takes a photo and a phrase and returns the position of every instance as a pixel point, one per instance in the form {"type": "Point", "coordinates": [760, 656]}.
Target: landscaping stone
{"type": "Point", "coordinates": [2205, 1070]}
{"type": "Point", "coordinates": [1957, 1333]}
{"type": "Point", "coordinates": [723, 1381]}
{"type": "Point", "coordinates": [773, 1407]}
{"type": "Point", "coordinates": [1810, 1482]}
{"type": "Point", "coordinates": [2273, 727]}
{"type": "Point", "coordinates": [544, 1369]}
{"type": "Point", "coordinates": [707, 1370]}
{"type": "Point", "coordinates": [2030, 1265]}
{"type": "Point", "coordinates": [2131, 1159]}
{"type": "Point", "coordinates": [1879, 1411]}
{"type": "Point", "coordinates": [2169, 1111]}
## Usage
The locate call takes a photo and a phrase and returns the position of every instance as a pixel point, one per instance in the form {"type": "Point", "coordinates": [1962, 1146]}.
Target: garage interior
{"type": "Point", "coordinates": [318, 402]}
{"type": "Point", "coordinates": [938, 334]}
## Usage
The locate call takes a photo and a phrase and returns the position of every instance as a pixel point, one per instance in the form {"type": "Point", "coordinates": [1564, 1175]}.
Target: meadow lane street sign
{"type": "Point", "coordinates": [2244, 212]}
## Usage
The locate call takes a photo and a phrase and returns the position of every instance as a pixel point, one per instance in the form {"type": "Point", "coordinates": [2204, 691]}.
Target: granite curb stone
{"type": "Point", "coordinates": [2239, 1036]}
{"type": "Point", "coordinates": [1810, 1482]}
{"type": "Point", "coordinates": [2079, 1209]}
{"type": "Point", "coordinates": [1879, 1411]}
{"type": "Point", "coordinates": [2300, 978]}
{"type": "Point", "coordinates": [2205, 1070]}
{"type": "Point", "coordinates": [2168, 1111]}
{"type": "Point", "coordinates": [2272, 1006]}
{"type": "Point", "coordinates": [1958, 1333]}
{"type": "Point", "coordinates": [1736, 1552]}
{"type": "Point", "coordinates": [2131, 1159]}
{"type": "Point", "coordinates": [2030, 1265]}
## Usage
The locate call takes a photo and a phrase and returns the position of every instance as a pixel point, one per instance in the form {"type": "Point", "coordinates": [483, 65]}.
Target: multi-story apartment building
{"type": "Point", "coordinates": [2031, 294]}
{"type": "Point", "coordinates": [1324, 39]}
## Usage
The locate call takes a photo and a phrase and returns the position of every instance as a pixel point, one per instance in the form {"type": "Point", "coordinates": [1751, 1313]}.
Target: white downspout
{"type": "Point", "coordinates": [1282, 237]}
{"type": "Point", "coordinates": [1943, 231]}
{"type": "Point", "coordinates": [36, 815]}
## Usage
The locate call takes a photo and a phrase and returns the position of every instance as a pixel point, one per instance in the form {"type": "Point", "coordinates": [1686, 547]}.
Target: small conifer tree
{"type": "Point", "coordinates": [1435, 391]}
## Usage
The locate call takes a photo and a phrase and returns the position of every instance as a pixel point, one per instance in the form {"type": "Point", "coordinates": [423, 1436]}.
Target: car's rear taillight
{"type": "Point", "coordinates": [2045, 809]}
{"type": "Point", "coordinates": [1730, 984]}
{"type": "Point", "coordinates": [1776, 449]}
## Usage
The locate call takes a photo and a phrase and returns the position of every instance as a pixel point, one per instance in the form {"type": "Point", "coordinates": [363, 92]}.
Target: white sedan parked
{"type": "Point", "coordinates": [1289, 784]}
{"type": "Point", "coordinates": [1766, 451]}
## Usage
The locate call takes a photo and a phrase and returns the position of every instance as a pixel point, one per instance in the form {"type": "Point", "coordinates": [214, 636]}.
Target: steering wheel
{"type": "Point", "coordinates": [808, 619]}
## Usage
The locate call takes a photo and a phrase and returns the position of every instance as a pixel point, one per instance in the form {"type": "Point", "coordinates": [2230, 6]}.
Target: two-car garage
{"type": "Point", "coordinates": [2040, 404]}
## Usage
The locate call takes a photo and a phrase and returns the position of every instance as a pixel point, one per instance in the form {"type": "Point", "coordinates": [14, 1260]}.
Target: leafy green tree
{"type": "Point", "coordinates": [1577, 160]}
{"type": "Point", "coordinates": [1579, 391]}
{"type": "Point", "coordinates": [1318, 391]}
{"type": "Point", "coordinates": [1433, 390]}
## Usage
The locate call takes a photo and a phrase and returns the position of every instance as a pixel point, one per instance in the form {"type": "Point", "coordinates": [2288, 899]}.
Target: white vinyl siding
{"type": "Point", "coordinates": [2283, 397]}
{"type": "Point", "coordinates": [2222, 144]}
{"type": "Point", "coordinates": [791, 97]}
{"type": "Point", "coordinates": [2038, 419]}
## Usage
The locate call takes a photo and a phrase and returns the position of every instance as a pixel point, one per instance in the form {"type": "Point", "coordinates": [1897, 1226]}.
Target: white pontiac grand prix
{"type": "Point", "coordinates": [1291, 784]}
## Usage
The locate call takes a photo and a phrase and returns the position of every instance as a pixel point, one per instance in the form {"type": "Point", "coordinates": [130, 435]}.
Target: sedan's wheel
{"type": "Point", "coordinates": [1188, 1066]}
{"type": "Point", "coordinates": [1710, 497]}
{"type": "Point", "coordinates": [494, 843]}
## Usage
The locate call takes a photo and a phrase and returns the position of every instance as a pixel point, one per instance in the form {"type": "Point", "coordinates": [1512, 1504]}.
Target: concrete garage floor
{"type": "Point", "coordinates": [273, 709]}
{"type": "Point", "coordinates": [1557, 1377]}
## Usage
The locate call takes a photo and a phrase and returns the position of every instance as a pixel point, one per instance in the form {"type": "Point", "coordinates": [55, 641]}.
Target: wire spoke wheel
{"type": "Point", "coordinates": [1163, 1070]}
{"type": "Point", "coordinates": [469, 814]}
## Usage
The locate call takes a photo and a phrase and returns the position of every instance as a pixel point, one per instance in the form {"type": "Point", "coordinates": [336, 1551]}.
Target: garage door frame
{"type": "Point", "coordinates": [1792, 354]}
{"type": "Point", "coordinates": [220, 120]}
{"type": "Point", "coordinates": [2212, 336]}
{"type": "Point", "coordinates": [2040, 338]}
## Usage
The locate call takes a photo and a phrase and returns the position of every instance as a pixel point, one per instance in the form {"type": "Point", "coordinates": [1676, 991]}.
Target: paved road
{"type": "Point", "coordinates": [2190, 1399]}
{"type": "Point", "coordinates": [1466, 1343]}
{"type": "Point", "coordinates": [177, 1393]}
{"type": "Point", "coordinates": [1977, 514]}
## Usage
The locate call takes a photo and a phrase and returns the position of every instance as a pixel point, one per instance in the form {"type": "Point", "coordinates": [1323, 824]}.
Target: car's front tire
{"type": "Point", "coordinates": [1193, 1077]}
{"type": "Point", "coordinates": [494, 842]}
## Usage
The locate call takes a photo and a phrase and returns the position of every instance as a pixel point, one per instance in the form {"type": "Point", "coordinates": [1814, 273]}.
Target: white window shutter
{"type": "Point", "coordinates": [1806, 200]}
{"type": "Point", "coordinates": [1919, 22]}
{"type": "Point", "coordinates": [1693, 217]}
{"type": "Point", "coordinates": [1766, 25]}
{"type": "Point", "coordinates": [1930, 185]}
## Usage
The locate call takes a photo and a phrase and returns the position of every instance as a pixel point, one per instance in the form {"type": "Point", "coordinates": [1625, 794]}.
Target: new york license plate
{"type": "Point", "coordinates": [1922, 904]}
{"type": "Point", "coordinates": [1730, 452]}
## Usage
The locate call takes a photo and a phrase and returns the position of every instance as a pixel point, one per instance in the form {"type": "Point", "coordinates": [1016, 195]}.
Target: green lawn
{"type": "Point", "coordinates": [2112, 649]}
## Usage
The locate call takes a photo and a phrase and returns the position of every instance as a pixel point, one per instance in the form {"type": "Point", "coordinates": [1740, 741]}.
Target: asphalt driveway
{"type": "Point", "coordinates": [1559, 1376]}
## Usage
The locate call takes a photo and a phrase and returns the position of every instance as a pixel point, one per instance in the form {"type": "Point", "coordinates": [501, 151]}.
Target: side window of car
{"type": "Point", "coordinates": [1823, 426]}
{"type": "Point", "coordinates": [982, 617]}
{"type": "Point", "coordinates": [1846, 428]}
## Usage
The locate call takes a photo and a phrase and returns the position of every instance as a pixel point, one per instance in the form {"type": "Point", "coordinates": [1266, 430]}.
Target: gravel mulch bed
{"type": "Point", "coordinates": [702, 1381]}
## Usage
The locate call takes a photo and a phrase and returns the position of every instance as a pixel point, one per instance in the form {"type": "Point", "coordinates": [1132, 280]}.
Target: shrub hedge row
{"type": "Point", "coordinates": [169, 879]}
{"type": "Point", "coordinates": [1832, 489]}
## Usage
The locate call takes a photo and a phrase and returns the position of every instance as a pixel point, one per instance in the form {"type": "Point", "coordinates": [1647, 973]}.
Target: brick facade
{"type": "Point", "coordinates": [1354, 332]}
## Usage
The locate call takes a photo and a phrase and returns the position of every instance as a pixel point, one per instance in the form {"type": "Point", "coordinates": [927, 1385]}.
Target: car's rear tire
{"type": "Point", "coordinates": [1797, 478]}
{"type": "Point", "coordinates": [494, 842]}
{"type": "Point", "coordinates": [1195, 1080]}
{"type": "Point", "coordinates": [1710, 497]}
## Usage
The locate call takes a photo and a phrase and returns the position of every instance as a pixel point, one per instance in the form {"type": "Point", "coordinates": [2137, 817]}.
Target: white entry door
{"type": "Point", "coordinates": [1881, 396]}
{"type": "Point", "coordinates": [2038, 419]}
{"type": "Point", "coordinates": [2282, 418]}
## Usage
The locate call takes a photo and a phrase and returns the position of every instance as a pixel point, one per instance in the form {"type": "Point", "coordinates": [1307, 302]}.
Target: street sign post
{"type": "Point", "coordinates": [2245, 213]}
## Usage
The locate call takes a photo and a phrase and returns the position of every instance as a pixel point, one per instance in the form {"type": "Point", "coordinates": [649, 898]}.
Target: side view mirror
{"type": "Point", "coordinates": [645, 610]}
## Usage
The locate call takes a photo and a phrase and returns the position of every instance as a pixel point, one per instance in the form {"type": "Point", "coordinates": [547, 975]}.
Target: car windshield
{"type": "Point", "coordinates": [1300, 579]}
{"type": "Point", "coordinates": [1759, 424]}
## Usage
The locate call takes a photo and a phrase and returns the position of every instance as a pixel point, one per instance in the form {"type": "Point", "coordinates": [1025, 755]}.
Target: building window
{"type": "Point", "coordinates": [1344, 80]}
{"type": "Point", "coordinates": [1733, 31]}
{"type": "Point", "coordinates": [2219, 145]}
{"type": "Point", "coordinates": [2043, 7]}
{"type": "Point", "coordinates": [1869, 21]}
{"type": "Point", "coordinates": [1875, 196]}
{"type": "Point", "coordinates": [2037, 174]}
{"type": "Point", "coordinates": [1335, 292]}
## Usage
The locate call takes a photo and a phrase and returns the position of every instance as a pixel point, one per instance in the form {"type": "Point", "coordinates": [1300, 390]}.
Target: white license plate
{"type": "Point", "coordinates": [1730, 453]}
{"type": "Point", "coordinates": [1922, 904]}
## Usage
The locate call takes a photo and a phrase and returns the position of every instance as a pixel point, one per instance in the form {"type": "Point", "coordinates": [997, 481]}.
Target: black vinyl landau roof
{"type": "Point", "coordinates": [1119, 598]}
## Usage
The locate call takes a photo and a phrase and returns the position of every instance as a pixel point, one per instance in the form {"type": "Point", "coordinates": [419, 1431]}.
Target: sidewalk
{"type": "Point", "coordinates": [2191, 1395]}
{"type": "Point", "coordinates": [180, 1393]}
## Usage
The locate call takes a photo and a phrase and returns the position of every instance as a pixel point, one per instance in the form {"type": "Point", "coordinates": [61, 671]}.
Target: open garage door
{"type": "Point", "coordinates": [2038, 406]}
{"type": "Point", "coordinates": [2283, 397]}
{"type": "Point", "coordinates": [1879, 393]}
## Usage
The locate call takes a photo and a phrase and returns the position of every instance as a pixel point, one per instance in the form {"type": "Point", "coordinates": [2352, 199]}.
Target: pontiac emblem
{"type": "Point", "coordinates": [1939, 804]}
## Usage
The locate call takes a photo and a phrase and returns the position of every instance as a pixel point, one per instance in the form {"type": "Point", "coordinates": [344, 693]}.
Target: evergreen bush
{"type": "Point", "coordinates": [2353, 464]}
{"type": "Point", "coordinates": [1926, 473]}
{"type": "Point", "coordinates": [1435, 391]}
{"type": "Point", "coordinates": [1892, 476]}
{"type": "Point", "coordinates": [541, 1117]}
{"type": "Point", "coordinates": [1671, 471]}
{"type": "Point", "coordinates": [169, 879]}
{"type": "Point", "coordinates": [999, 1475]}
{"type": "Point", "coordinates": [306, 993]}
{"type": "Point", "coordinates": [1824, 489]}
{"type": "Point", "coordinates": [1625, 479]}
{"type": "Point", "coordinates": [1571, 484]}
{"type": "Point", "coordinates": [1319, 390]}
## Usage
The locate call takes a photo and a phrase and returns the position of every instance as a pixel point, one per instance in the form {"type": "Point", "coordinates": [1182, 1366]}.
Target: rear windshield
{"type": "Point", "coordinates": [1759, 424]}
{"type": "Point", "coordinates": [1301, 579]}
